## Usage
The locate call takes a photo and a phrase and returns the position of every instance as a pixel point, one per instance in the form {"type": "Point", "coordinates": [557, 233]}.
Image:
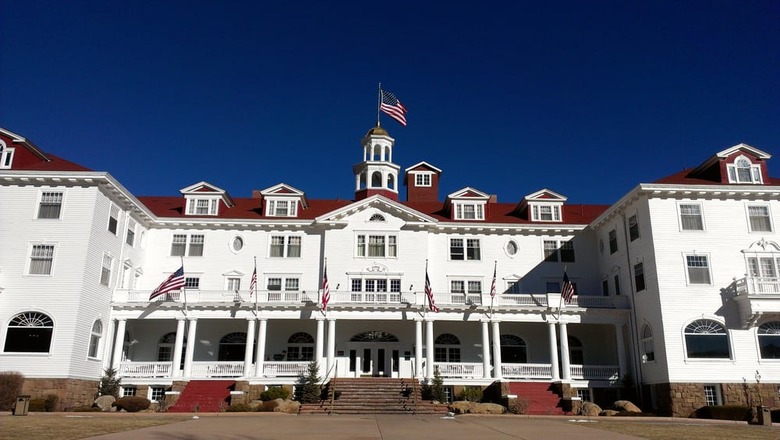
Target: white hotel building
{"type": "Point", "coordinates": [677, 299]}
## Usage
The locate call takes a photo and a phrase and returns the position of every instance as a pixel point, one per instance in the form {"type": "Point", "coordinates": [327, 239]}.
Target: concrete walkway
{"type": "Point", "coordinates": [369, 427]}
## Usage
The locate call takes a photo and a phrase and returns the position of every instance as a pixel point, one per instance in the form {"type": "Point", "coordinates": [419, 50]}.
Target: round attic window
{"type": "Point", "coordinates": [237, 244]}
{"type": "Point", "coordinates": [511, 248]}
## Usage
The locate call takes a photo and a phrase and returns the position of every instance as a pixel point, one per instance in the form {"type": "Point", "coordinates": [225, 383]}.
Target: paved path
{"type": "Point", "coordinates": [369, 427]}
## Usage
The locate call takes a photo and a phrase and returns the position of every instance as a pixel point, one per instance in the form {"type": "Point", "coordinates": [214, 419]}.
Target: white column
{"type": "Point", "coordinates": [497, 366]}
{"type": "Point", "coordinates": [556, 373]}
{"type": "Point", "coordinates": [191, 342]}
{"type": "Point", "coordinates": [262, 334]}
{"type": "Point", "coordinates": [331, 346]}
{"type": "Point", "coordinates": [485, 350]}
{"type": "Point", "coordinates": [319, 343]}
{"type": "Point", "coordinates": [249, 351]}
{"type": "Point", "coordinates": [119, 342]}
{"type": "Point", "coordinates": [177, 348]}
{"type": "Point", "coordinates": [565, 363]}
{"type": "Point", "coordinates": [621, 350]}
{"type": "Point", "coordinates": [107, 346]}
{"type": "Point", "coordinates": [429, 348]}
{"type": "Point", "coordinates": [418, 349]}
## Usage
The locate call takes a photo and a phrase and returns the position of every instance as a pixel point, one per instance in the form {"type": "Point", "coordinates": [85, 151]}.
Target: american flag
{"type": "Point", "coordinates": [493, 286]}
{"type": "Point", "coordinates": [173, 282]}
{"type": "Point", "coordinates": [325, 288]}
{"type": "Point", "coordinates": [253, 282]}
{"type": "Point", "coordinates": [393, 107]}
{"type": "Point", "coordinates": [567, 290]}
{"type": "Point", "coordinates": [429, 292]}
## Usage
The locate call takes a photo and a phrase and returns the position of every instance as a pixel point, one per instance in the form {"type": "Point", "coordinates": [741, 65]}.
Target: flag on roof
{"type": "Point", "coordinates": [567, 290]}
{"type": "Point", "coordinates": [325, 288]}
{"type": "Point", "coordinates": [393, 107]}
{"type": "Point", "coordinates": [429, 292]}
{"type": "Point", "coordinates": [173, 282]}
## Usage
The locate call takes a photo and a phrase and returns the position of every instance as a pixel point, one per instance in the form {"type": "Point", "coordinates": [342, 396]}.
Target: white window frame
{"type": "Point", "coordinates": [130, 236]}
{"type": "Point", "coordinates": [152, 389]}
{"type": "Point", "coordinates": [233, 283]}
{"type": "Point", "coordinates": [460, 210]}
{"type": "Point", "coordinates": [753, 169]}
{"type": "Point", "coordinates": [195, 206]}
{"type": "Point", "coordinates": [545, 212]}
{"type": "Point", "coordinates": [423, 179]}
{"type": "Point", "coordinates": [750, 217]}
{"type": "Point", "coordinates": [647, 343]}
{"type": "Point", "coordinates": [39, 205]}
{"type": "Point", "coordinates": [105, 272]}
{"type": "Point", "coordinates": [53, 257]}
{"type": "Point", "coordinates": [6, 156]}
{"type": "Point", "coordinates": [689, 258]}
{"type": "Point", "coordinates": [95, 340]}
{"type": "Point", "coordinates": [286, 245]}
{"type": "Point", "coordinates": [556, 253]}
{"type": "Point", "coordinates": [191, 282]}
{"type": "Point", "coordinates": [633, 225]}
{"type": "Point", "coordinates": [114, 213]}
{"type": "Point", "coordinates": [701, 216]}
{"type": "Point", "coordinates": [471, 292]}
{"type": "Point", "coordinates": [273, 207]}
{"type": "Point", "coordinates": [363, 245]}
{"type": "Point", "coordinates": [188, 242]}
{"type": "Point", "coordinates": [465, 241]}
{"type": "Point", "coordinates": [713, 395]}
{"type": "Point", "coordinates": [289, 287]}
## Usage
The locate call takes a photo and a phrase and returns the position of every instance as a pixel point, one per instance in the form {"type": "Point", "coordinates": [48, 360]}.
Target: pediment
{"type": "Point", "coordinates": [374, 204]}
{"type": "Point", "coordinates": [423, 166]}
{"type": "Point", "coordinates": [204, 189]}
{"type": "Point", "coordinates": [468, 193]}
{"type": "Point", "coordinates": [545, 195]}
{"type": "Point", "coordinates": [283, 190]}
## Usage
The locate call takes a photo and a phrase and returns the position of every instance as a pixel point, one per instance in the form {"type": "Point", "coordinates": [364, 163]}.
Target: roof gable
{"type": "Point", "coordinates": [468, 193]}
{"type": "Point", "coordinates": [376, 201]}
{"type": "Point", "coordinates": [423, 166]}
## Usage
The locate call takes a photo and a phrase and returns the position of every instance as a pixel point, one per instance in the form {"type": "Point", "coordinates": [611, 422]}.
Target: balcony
{"type": "Point", "coordinates": [755, 297]}
{"type": "Point", "coordinates": [207, 370]}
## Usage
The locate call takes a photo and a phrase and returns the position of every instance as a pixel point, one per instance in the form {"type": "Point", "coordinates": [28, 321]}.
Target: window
{"type": "Point", "coordinates": [613, 245]}
{"type": "Point", "coordinates": [769, 340]}
{"type": "Point", "coordinates": [377, 218]}
{"type": "Point", "coordinates": [555, 250]}
{"type": "Point", "coordinates": [94, 339]}
{"type": "Point", "coordinates": [648, 346]}
{"type": "Point", "coordinates": [130, 232]}
{"type": "Point", "coordinates": [41, 259]}
{"type": "Point", "coordinates": [192, 283]}
{"type": "Point", "coordinates": [691, 218]}
{"type": "Point", "coordinates": [285, 246]}
{"type": "Point", "coordinates": [6, 156]}
{"type": "Point", "coordinates": [50, 205]}
{"type": "Point", "coordinates": [165, 348]}
{"type": "Point", "coordinates": [446, 348]}
{"type": "Point", "coordinates": [633, 228]}
{"type": "Point", "coordinates": [290, 285]}
{"type": "Point", "coordinates": [179, 246]}
{"type": "Point", "coordinates": [128, 391]}
{"type": "Point", "coordinates": [237, 244]}
{"type": "Point", "coordinates": [202, 206]}
{"type": "Point", "coordinates": [584, 394]}
{"type": "Point", "coordinates": [712, 395]}
{"type": "Point", "coordinates": [605, 287]}
{"type": "Point", "coordinates": [545, 213]}
{"type": "Point", "coordinates": [29, 332]}
{"type": "Point", "coordinates": [466, 291]}
{"type": "Point", "coordinates": [513, 287]}
{"type": "Point", "coordinates": [743, 171]}
{"type": "Point", "coordinates": [300, 347]}
{"type": "Point", "coordinates": [471, 251]}
{"type": "Point", "coordinates": [513, 349]}
{"type": "Point", "coordinates": [698, 269]}
{"type": "Point", "coordinates": [706, 339]}
{"type": "Point", "coordinates": [576, 352]}
{"type": "Point", "coordinates": [759, 218]}
{"type": "Point", "coordinates": [469, 211]}
{"type": "Point", "coordinates": [617, 285]}
{"type": "Point", "coordinates": [113, 219]}
{"type": "Point", "coordinates": [376, 290]}
{"type": "Point", "coordinates": [105, 271]}
{"type": "Point", "coordinates": [376, 246]}
{"type": "Point", "coordinates": [156, 393]}
{"type": "Point", "coordinates": [639, 277]}
{"type": "Point", "coordinates": [281, 208]}
{"type": "Point", "coordinates": [234, 284]}
{"type": "Point", "coordinates": [422, 179]}
{"type": "Point", "coordinates": [511, 248]}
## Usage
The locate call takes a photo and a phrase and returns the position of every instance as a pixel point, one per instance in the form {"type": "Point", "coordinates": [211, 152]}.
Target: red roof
{"type": "Point", "coordinates": [685, 177]}
{"type": "Point", "coordinates": [55, 164]}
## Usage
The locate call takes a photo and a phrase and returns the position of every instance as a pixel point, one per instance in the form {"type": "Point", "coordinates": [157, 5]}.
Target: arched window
{"type": "Point", "coordinates": [362, 178]}
{"type": "Point", "coordinates": [744, 171]}
{"type": "Point", "coordinates": [513, 350]}
{"type": "Point", "coordinates": [576, 355]}
{"type": "Point", "coordinates": [377, 218]}
{"type": "Point", "coordinates": [300, 347]}
{"type": "Point", "coordinates": [166, 346]}
{"type": "Point", "coordinates": [29, 332]}
{"type": "Point", "coordinates": [374, 336]}
{"type": "Point", "coordinates": [706, 339]}
{"type": "Point", "coordinates": [377, 153]}
{"type": "Point", "coordinates": [648, 346]}
{"type": "Point", "coordinates": [232, 347]}
{"type": "Point", "coordinates": [391, 181]}
{"type": "Point", "coordinates": [769, 340]}
{"type": "Point", "coordinates": [94, 338]}
{"type": "Point", "coordinates": [446, 348]}
{"type": "Point", "coordinates": [376, 180]}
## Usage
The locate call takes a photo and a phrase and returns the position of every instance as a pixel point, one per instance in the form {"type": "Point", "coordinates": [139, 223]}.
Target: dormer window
{"type": "Point", "coordinates": [6, 156]}
{"type": "Point", "coordinates": [545, 213]}
{"type": "Point", "coordinates": [281, 208]}
{"type": "Point", "coordinates": [422, 179]}
{"type": "Point", "coordinates": [469, 211]}
{"type": "Point", "coordinates": [744, 171]}
{"type": "Point", "coordinates": [202, 206]}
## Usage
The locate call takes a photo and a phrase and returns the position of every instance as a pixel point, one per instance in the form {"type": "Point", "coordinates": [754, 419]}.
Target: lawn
{"type": "Point", "coordinates": [75, 426]}
{"type": "Point", "coordinates": [687, 429]}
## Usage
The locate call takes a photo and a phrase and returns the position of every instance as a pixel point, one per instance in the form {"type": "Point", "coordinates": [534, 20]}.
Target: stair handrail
{"type": "Point", "coordinates": [414, 390]}
{"type": "Point", "coordinates": [333, 391]}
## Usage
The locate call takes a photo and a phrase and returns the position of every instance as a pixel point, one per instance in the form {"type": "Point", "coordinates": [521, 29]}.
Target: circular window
{"type": "Point", "coordinates": [511, 247]}
{"type": "Point", "coordinates": [237, 244]}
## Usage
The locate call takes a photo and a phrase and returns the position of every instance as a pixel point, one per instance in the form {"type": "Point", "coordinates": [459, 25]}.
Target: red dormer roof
{"type": "Point", "coordinates": [713, 171]}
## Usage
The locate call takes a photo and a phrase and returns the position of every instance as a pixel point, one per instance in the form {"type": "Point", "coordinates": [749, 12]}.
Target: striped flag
{"type": "Point", "coordinates": [493, 286]}
{"type": "Point", "coordinates": [253, 282]}
{"type": "Point", "coordinates": [325, 288]}
{"type": "Point", "coordinates": [393, 107]}
{"type": "Point", "coordinates": [429, 292]}
{"type": "Point", "coordinates": [173, 282]}
{"type": "Point", "coordinates": [567, 289]}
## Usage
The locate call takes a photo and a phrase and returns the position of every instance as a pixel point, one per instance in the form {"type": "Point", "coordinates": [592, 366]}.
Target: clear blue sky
{"type": "Point", "coordinates": [587, 98]}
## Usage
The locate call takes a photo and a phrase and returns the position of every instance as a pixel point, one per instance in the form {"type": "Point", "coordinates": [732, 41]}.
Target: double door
{"type": "Point", "coordinates": [373, 360]}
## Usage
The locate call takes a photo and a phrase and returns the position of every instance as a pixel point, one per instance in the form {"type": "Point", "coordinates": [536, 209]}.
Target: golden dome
{"type": "Point", "coordinates": [377, 131]}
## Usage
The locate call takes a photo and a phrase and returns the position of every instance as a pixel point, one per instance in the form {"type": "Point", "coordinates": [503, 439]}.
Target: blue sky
{"type": "Point", "coordinates": [587, 98]}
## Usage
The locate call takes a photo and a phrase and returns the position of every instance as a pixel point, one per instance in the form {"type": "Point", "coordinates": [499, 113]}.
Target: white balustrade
{"type": "Point", "coordinates": [144, 369]}
{"type": "Point", "coordinates": [526, 371]}
{"type": "Point", "coordinates": [217, 369]}
{"type": "Point", "coordinates": [284, 369]}
{"type": "Point", "coordinates": [460, 369]}
{"type": "Point", "coordinates": [595, 372]}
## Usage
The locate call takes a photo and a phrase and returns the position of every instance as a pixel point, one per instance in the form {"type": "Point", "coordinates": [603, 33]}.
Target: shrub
{"type": "Point", "coordinates": [109, 384]}
{"type": "Point", "coordinates": [52, 401]}
{"type": "Point", "coordinates": [471, 394]}
{"type": "Point", "coordinates": [435, 389]}
{"type": "Point", "coordinates": [37, 405]}
{"type": "Point", "coordinates": [240, 407]}
{"type": "Point", "coordinates": [518, 406]}
{"type": "Point", "coordinates": [275, 393]}
{"type": "Point", "coordinates": [724, 412]}
{"type": "Point", "coordinates": [308, 389]}
{"type": "Point", "coordinates": [132, 403]}
{"type": "Point", "coordinates": [10, 387]}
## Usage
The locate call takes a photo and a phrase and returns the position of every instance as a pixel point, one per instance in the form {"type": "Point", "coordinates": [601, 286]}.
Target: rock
{"type": "Point", "coordinates": [461, 407]}
{"type": "Point", "coordinates": [105, 402]}
{"type": "Point", "coordinates": [288, 407]}
{"type": "Point", "coordinates": [625, 405]}
{"type": "Point", "coordinates": [609, 413]}
{"type": "Point", "coordinates": [590, 409]}
{"type": "Point", "coordinates": [488, 408]}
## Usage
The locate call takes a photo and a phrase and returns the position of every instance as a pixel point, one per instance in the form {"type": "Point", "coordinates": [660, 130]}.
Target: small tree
{"type": "Point", "coordinates": [10, 387]}
{"type": "Point", "coordinates": [109, 384]}
{"type": "Point", "coordinates": [308, 389]}
{"type": "Point", "coordinates": [435, 389]}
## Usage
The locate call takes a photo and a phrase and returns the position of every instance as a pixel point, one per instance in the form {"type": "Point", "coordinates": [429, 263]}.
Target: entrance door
{"type": "Point", "coordinates": [373, 361]}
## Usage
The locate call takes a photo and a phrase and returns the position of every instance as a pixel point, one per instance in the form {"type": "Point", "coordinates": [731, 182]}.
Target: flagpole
{"type": "Point", "coordinates": [560, 300]}
{"type": "Point", "coordinates": [322, 287]}
{"type": "Point", "coordinates": [184, 287]}
{"type": "Point", "coordinates": [492, 293]}
{"type": "Point", "coordinates": [255, 286]}
{"type": "Point", "coordinates": [378, 104]}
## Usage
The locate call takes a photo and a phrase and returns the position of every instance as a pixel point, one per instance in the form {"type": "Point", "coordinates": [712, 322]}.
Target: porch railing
{"type": "Point", "coordinates": [217, 369]}
{"type": "Point", "coordinates": [595, 372]}
{"type": "Point", "coordinates": [757, 286]}
{"type": "Point", "coordinates": [460, 369]}
{"type": "Point", "coordinates": [144, 369]}
{"type": "Point", "coordinates": [526, 371]}
{"type": "Point", "coordinates": [284, 369]}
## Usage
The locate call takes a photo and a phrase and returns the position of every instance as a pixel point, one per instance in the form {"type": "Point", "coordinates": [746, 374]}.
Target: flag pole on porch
{"type": "Point", "coordinates": [184, 287]}
{"type": "Point", "coordinates": [253, 285]}
{"type": "Point", "coordinates": [493, 288]}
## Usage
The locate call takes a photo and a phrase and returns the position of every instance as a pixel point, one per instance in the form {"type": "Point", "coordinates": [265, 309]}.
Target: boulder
{"type": "Point", "coordinates": [590, 409]}
{"type": "Point", "coordinates": [461, 407]}
{"type": "Point", "coordinates": [625, 405]}
{"type": "Point", "coordinates": [488, 408]}
{"type": "Point", "coordinates": [105, 403]}
{"type": "Point", "coordinates": [609, 413]}
{"type": "Point", "coordinates": [288, 407]}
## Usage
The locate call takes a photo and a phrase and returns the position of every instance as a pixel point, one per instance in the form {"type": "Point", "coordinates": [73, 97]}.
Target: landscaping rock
{"type": "Point", "coordinates": [105, 402]}
{"type": "Point", "coordinates": [590, 409]}
{"type": "Point", "coordinates": [461, 407]}
{"type": "Point", "coordinates": [488, 408]}
{"type": "Point", "coordinates": [609, 413]}
{"type": "Point", "coordinates": [288, 407]}
{"type": "Point", "coordinates": [625, 405]}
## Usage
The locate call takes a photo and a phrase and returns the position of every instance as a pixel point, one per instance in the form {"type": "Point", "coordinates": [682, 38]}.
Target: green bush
{"type": "Point", "coordinates": [308, 386]}
{"type": "Point", "coordinates": [471, 394]}
{"type": "Point", "coordinates": [275, 393]}
{"type": "Point", "coordinates": [37, 405]}
{"type": "Point", "coordinates": [132, 403]}
{"type": "Point", "coordinates": [109, 384]}
{"type": "Point", "coordinates": [10, 387]}
{"type": "Point", "coordinates": [52, 401]}
{"type": "Point", "coordinates": [240, 407]}
{"type": "Point", "coordinates": [724, 412]}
